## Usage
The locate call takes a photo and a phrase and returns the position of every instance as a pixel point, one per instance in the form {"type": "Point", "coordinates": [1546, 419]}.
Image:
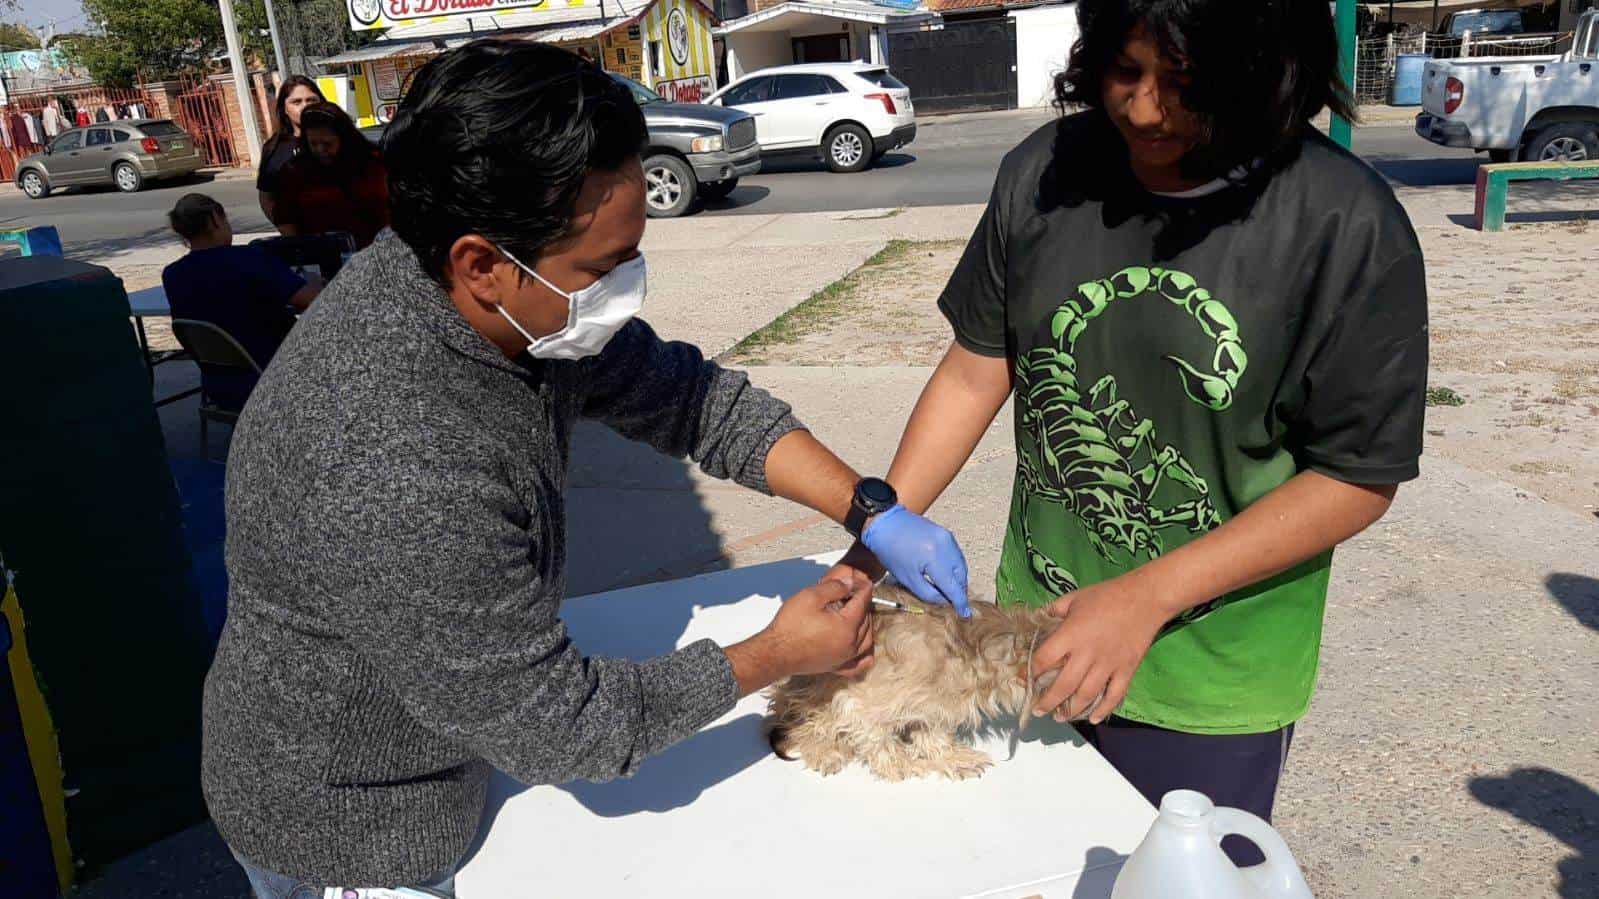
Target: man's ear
{"type": "Point", "coordinates": [471, 265]}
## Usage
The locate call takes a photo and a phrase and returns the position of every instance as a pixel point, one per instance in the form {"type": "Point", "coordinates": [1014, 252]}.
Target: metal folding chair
{"type": "Point", "coordinates": [210, 345]}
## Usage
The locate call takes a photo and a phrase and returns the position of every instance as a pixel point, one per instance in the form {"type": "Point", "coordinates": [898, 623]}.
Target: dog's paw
{"type": "Point", "coordinates": [966, 763]}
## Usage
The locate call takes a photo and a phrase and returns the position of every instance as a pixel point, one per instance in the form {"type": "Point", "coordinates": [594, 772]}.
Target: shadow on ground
{"type": "Point", "coordinates": [1579, 594]}
{"type": "Point", "coordinates": [1559, 804]}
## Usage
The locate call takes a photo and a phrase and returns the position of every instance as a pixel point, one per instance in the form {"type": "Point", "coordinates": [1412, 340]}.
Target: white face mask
{"type": "Point", "coordinates": [594, 314]}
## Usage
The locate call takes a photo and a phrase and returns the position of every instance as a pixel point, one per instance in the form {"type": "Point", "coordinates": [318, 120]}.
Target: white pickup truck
{"type": "Point", "coordinates": [1543, 108]}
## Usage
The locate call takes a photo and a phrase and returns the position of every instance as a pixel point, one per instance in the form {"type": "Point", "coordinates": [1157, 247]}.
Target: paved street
{"type": "Point", "coordinates": [952, 162]}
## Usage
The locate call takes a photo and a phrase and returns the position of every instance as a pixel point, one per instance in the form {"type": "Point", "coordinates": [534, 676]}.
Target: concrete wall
{"type": "Point", "coordinates": [1044, 37]}
{"type": "Point", "coordinates": [751, 51]}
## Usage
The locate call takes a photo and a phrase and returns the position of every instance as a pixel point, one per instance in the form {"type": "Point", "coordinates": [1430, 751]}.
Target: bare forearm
{"type": "Point", "coordinates": [1303, 518]}
{"type": "Point", "coordinates": [756, 664]}
{"type": "Point", "coordinates": [955, 409]}
{"type": "Point", "coordinates": [801, 469]}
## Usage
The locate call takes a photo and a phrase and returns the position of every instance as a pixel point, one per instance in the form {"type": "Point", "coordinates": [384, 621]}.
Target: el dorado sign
{"type": "Point", "coordinates": [366, 15]}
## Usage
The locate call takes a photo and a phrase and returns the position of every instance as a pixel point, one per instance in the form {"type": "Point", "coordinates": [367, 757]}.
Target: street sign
{"type": "Point", "coordinates": [367, 15]}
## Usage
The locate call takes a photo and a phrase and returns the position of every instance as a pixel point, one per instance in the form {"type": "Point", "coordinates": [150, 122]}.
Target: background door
{"type": "Point", "coordinates": [965, 66]}
{"type": "Point", "coordinates": [822, 48]}
{"type": "Point", "coordinates": [754, 97]}
{"type": "Point", "coordinates": [66, 162]}
{"type": "Point", "coordinates": [803, 106]}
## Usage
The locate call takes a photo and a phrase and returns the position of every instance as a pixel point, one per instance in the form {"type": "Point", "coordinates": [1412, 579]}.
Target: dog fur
{"type": "Point", "coordinates": [936, 677]}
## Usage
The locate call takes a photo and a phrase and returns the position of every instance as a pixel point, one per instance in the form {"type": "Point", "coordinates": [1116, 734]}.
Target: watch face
{"type": "Point", "coordinates": [877, 492]}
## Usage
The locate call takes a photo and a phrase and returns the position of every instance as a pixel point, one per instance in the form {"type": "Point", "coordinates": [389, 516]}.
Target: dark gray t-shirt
{"type": "Point", "coordinates": [1177, 359]}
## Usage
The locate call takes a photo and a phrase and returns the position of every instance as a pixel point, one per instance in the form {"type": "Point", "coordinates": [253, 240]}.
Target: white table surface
{"type": "Point", "coordinates": [150, 301]}
{"type": "Point", "coordinates": [720, 815]}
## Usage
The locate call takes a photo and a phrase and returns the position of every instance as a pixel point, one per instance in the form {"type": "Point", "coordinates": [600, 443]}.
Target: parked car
{"type": "Point", "coordinates": [1502, 28]}
{"type": "Point", "coordinates": [694, 152]}
{"type": "Point", "coordinates": [1518, 107]}
{"type": "Point", "coordinates": [125, 154]}
{"type": "Point", "coordinates": [848, 113]}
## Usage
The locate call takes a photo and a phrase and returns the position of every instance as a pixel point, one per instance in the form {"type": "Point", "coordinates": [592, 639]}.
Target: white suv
{"type": "Point", "coordinates": [851, 113]}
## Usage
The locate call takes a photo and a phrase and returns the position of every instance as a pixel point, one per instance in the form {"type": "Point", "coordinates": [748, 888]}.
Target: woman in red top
{"type": "Point", "coordinates": [338, 184]}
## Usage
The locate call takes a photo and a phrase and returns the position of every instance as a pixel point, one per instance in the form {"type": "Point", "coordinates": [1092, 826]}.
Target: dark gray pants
{"type": "Point", "coordinates": [1238, 770]}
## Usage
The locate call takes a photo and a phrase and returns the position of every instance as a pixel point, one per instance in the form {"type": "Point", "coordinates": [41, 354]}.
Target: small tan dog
{"type": "Point", "coordinates": [935, 675]}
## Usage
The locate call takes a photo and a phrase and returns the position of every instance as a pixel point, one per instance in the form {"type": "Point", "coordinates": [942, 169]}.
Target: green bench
{"type": "Point", "coordinates": [1493, 182]}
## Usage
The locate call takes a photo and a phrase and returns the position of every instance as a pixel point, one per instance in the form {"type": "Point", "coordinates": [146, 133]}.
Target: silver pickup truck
{"type": "Point", "coordinates": [1518, 108]}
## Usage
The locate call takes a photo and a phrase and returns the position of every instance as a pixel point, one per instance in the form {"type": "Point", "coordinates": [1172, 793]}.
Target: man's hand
{"type": "Point", "coordinates": [825, 628]}
{"type": "Point", "coordinates": [1105, 631]}
{"type": "Point", "coordinates": [922, 556]}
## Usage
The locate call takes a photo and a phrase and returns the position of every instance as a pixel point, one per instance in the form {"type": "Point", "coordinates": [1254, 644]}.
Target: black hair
{"type": "Point", "coordinates": [284, 129]}
{"type": "Point", "coordinates": [354, 149]}
{"type": "Point", "coordinates": [194, 216]}
{"type": "Point", "coordinates": [1259, 70]}
{"type": "Point", "coordinates": [495, 138]}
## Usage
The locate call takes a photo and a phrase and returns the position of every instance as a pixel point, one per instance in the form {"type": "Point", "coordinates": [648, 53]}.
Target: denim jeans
{"type": "Point", "coordinates": [268, 885]}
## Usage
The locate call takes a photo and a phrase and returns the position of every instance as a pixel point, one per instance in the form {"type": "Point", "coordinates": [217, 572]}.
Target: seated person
{"type": "Point", "coordinates": [242, 290]}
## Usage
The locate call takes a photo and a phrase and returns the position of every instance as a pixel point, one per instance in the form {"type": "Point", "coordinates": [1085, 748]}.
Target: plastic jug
{"type": "Point", "coordinates": [1181, 856]}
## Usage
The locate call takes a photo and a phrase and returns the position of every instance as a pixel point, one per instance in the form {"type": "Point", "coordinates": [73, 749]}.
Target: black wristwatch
{"type": "Point", "coordinates": [873, 496]}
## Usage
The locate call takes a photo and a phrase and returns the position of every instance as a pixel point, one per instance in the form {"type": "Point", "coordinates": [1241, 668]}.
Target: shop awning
{"type": "Point", "coordinates": [386, 49]}
{"type": "Point", "coordinates": [790, 15]}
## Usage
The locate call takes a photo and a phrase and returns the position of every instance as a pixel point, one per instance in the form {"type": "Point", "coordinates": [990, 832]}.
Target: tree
{"type": "Point", "coordinates": [146, 39]}
{"type": "Point", "coordinates": [17, 37]}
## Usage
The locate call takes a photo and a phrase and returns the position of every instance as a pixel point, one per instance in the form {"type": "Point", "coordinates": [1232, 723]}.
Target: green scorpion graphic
{"type": "Point", "coordinates": [1086, 456]}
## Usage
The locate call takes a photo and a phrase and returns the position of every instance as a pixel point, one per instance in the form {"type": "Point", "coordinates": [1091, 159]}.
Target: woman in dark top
{"type": "Point", "coordinates": [1213, 323]}
{"type": "Point", "coordinates": [337, 183]}
{"type": "Point", "coordinates": [294, 96]}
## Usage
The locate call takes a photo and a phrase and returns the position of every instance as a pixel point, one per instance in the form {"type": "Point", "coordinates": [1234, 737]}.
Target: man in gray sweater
{"type": "Point", "coordinates": [396, 522]}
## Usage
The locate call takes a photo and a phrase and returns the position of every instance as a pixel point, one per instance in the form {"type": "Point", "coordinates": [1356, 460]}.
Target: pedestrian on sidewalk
{"type": "Point", "coordinates": [243, 290]}
{"type": "Point", "coordinates": [1214, 324]}
{"type": "Point", "coordinates": [396, 498]}
{"type": "Point", "coordinates": [338, 183]}
{"type": "Point", "coordinates": [296, 93]}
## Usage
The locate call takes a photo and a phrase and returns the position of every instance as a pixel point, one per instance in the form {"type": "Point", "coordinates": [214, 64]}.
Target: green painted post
{"type": "Point", "coordinates": [1343, 130]}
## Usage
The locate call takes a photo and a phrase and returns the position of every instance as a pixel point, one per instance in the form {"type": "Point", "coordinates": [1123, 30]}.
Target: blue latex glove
{"type": "Point", "coordinates": [922, 556]}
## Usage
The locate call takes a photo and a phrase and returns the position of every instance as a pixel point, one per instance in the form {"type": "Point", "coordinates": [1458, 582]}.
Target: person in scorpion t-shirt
{"type": "Point", "coordinates": [1214, 324]}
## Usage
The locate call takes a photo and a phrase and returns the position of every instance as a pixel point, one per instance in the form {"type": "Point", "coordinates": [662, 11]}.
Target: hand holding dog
{"type": "Point", "coordinates": [1105, 631]}
{"type": "Point", "coordinates": [923, 557]}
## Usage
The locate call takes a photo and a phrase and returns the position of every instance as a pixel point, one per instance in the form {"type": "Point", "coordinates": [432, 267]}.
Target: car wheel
{"type": "Point", "coordinates": [34, 185]}
{"type": "Point", "coordinates": [1565, 142]}
{"type": "Point", "coordinates": [847, 148]}
{"type": "Point", "coordinates": [1501, 155]}
{"type": "Point", "coordinates": [669, 186]}
{"type": "Point", "coordinates": [127, 178]}
{"type": "Point", "coordinates": [719, 190]}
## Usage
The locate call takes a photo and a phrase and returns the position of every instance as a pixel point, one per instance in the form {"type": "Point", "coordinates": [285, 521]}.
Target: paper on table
{"type": "Point", "coordinates": [720, 815]}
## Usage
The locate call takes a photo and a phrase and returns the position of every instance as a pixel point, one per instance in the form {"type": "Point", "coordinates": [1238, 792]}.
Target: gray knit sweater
{"type": "Point", "coordinates": [396, 549]}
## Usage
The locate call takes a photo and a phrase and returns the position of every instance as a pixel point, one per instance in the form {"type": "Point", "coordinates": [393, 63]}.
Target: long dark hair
{"type": "Point", "coordinates": [355, 151]}
{"type": "Point", "coordinates": [283, 128]}
{"type": "Point", "coordinates": [1259, 70]}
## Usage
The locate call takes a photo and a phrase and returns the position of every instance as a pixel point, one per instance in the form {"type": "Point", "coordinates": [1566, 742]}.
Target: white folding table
{"type": "Point", "coordinates": [720, 815]}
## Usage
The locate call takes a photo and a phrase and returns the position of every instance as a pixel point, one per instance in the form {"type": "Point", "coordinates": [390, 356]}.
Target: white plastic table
{"type": "Point", "coordinates": [720, 815]}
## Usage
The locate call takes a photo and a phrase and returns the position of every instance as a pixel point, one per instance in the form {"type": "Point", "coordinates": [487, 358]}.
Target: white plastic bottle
{"type": "Point", "coordinates": [1181, 856]}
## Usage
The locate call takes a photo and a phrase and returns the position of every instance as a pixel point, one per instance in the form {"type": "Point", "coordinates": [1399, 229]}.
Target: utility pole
{"type": "Point", "coordinates": [277, 45]}
{"type": "Point", "coordinates": [241, 83]}
{"type": "Point", "coordinates": [1342, 130]}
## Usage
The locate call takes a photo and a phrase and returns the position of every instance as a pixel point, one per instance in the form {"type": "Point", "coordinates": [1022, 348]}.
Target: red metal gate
{"type": "Point", "coordinates": [202, 110]}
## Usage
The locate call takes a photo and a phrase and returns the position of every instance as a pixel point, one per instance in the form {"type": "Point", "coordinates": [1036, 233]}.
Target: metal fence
{"type": "Point", "coordinates": [1375, 57]}
{"type": "Point", "coordinates": [32, 119]}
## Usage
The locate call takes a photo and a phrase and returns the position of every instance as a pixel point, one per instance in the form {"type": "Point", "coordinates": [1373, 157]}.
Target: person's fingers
{"type": "Point", "coordinates": [1090, 694]}
{"type": "Point", "coordinates": [858, 604]}
{"type": "Point", "coordinates": [1051, 652]}
{"type": "Point", "coordinates": [952, 586]}
{"type": "Point", "coordinates": [1115, 692]}
{"type": "Point", "coordinates": [825, 593]}
{"type": "Point", "coordinates": [1060, 607]}
{"type": "Point", "coordinates": [1071, 676]}
{"type": "Point", "coordinates": [923, 589]}
{"type": "Point", "coordinates": [856, 666]}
